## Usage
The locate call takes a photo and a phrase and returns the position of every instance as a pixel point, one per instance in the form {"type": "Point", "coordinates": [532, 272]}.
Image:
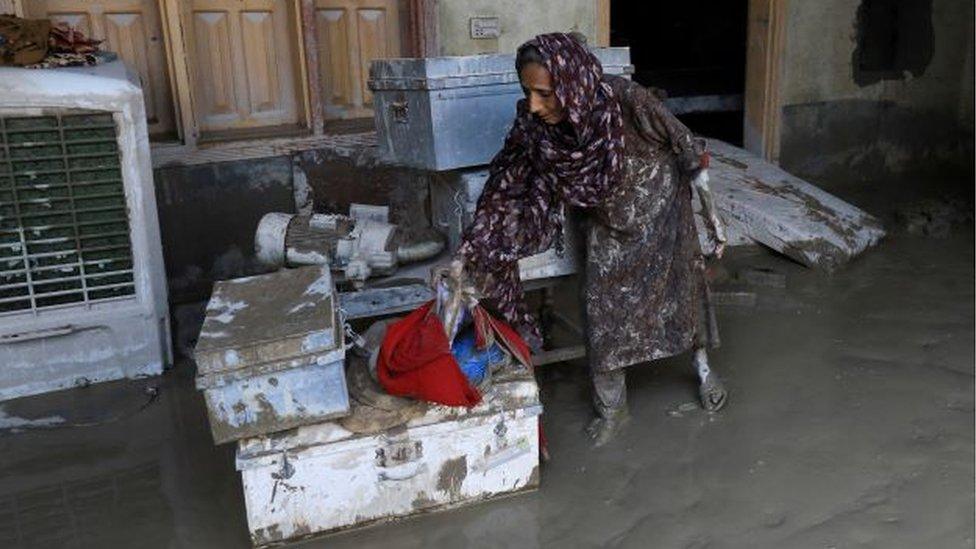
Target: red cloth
{"type": "Point", "coordinates": [504, 333]}
{"type": "Point", "coordinates": [415, 358]}
{"type": "Point", "coordinates": [415, 361]}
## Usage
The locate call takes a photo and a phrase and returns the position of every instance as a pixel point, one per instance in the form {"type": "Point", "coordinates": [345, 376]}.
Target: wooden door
{"type": "Point", "coordinates": [10, 7]}
{"type": "Point", "coordinates": [764, 64]}
{"type": "Point", "coordinates": [130, 28]}
{"type": "Point", "coordinates": [243, 63]}
{"type": "Point", "coordinates": [351, 33]}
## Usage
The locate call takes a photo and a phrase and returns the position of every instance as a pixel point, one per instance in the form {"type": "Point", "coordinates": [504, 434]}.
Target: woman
{"type": "Point", "coordinates": [608, 146]}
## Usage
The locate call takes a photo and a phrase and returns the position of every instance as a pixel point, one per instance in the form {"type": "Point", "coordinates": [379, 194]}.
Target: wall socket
{"type": "Point", "coordinates": [485, 28]}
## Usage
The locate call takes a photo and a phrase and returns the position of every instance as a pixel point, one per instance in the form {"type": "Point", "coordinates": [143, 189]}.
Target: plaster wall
{"type": "Point", "coordinates": [519, 21]}
{"type": "Point", "coordinates": [838, 125]}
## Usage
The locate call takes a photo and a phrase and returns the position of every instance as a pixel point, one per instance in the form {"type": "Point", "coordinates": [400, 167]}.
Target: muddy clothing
{"type": "Point", "coordinates": [645, 294]}
{"type": "Point", "coordinates": [541, 169]}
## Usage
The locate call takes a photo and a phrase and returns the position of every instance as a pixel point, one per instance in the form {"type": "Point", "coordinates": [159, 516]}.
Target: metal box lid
{"type": "Point", "coordinates": [435, 73]}
{"type": "Point", "coordinates": [282, 317]}
{"type": "Point", "coordinates": [515, 395]}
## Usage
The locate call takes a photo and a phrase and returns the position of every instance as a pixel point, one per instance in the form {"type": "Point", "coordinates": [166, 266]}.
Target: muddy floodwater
{"type": "Point", "coordinates": [850, 424]}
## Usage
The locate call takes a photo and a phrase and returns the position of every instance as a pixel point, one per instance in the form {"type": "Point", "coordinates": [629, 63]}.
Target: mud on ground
{"type": "Point", "coordinates": [850, 424]}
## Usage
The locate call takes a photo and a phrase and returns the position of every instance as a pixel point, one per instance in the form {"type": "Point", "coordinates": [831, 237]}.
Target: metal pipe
{"type": "Point", "coordinates": [426, 248]}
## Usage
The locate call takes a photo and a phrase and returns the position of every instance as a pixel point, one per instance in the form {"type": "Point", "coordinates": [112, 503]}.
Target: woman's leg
{"type": "Point", "coordinates": [610, 403]}
{"type": "Point", "coordinates": [609, 392]}
{"type": "Point", "coordinates": [710, 389]}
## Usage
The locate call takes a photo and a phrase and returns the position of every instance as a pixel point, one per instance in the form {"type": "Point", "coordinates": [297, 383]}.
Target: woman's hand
{"type": "Point", "coordinates": [453, 270]}
{"type": "Point", "coordinates": [700, 183]}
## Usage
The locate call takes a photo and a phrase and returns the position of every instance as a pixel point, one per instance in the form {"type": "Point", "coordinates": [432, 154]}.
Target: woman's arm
{"type": "Point", "coordinates": [700, 182]}
{"type": "Point", "coordinates": [657, 124]}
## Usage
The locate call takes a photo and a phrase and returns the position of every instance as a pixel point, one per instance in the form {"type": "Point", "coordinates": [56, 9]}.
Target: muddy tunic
{"type": "Point", "coordinates": [645, 294]}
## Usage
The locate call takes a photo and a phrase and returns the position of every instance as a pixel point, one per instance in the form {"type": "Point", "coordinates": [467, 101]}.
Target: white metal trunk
{"type": "Point", "coordinates": [454, 199]}
{"type": "Point", "coordinates": [322, 478]}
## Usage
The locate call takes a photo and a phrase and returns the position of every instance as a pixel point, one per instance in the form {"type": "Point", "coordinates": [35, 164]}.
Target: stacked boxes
{"type": "Point", "coordinates": [270, 354]}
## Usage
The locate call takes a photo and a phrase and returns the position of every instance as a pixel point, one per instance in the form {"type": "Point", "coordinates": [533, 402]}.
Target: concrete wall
{"type": "Point", "coordinates": [208, 214]}
{"type": "Point", "coordinates": [520, 20]}
{"type": "Point", "coordinates": [839, 125]}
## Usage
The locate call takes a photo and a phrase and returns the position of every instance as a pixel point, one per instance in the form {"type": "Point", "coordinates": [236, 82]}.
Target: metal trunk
{"type": "Point", "coordinates": [322, 478]}
{"type": "Point", "coordinates": [454, 198]}
{"type": "Point", "coordinates": [270, 354]}
{"type": "Point", "coordinates": [443, 113]}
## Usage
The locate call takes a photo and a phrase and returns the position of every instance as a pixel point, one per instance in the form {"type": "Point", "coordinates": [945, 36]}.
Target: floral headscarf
{"type": "Point", "coordinates": [540, 169]}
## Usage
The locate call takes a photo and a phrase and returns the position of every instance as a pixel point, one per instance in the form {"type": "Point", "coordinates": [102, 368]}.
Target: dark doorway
{"type": "Point", "coordinates": [695, 51]}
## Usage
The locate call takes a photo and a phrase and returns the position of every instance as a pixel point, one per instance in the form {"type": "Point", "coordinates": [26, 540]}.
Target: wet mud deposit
{"type": "Point", "coordinates": [850, 423]}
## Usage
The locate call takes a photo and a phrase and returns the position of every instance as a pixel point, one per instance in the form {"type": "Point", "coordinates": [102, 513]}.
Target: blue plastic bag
{"type": "Point", "coordinates": [474, 363]}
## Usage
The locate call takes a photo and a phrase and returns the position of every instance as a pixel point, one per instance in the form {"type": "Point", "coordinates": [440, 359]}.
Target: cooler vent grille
{"type": "Point", "coordinates": [64, 226]}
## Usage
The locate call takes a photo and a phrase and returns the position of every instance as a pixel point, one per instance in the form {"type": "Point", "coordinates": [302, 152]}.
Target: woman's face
{"type": "Point", "coordinates": [537, 86]}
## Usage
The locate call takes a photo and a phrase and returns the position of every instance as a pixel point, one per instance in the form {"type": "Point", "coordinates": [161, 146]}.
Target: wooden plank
{"type": "Point", "coordinates": [137, 37]}
{"type": "Point", "coordinates": [174, 16]}
{"type": "Point", "coordinates": [422, 29]}
{"type": "Point", "coordinates": [764, 58]}
{"type": "Point", "coordinates": [214, 64]}
{"type": "Point", "coordinates": [243, 64]}
{"type": "Point", "coordinates": [602, 23]}
{"type": "Point", "coordinates": [173, 154]}
{"type": "Point", "coordinates": [309, 67]}
{"type": "Point", "coordinates": [259, 60]}
{"type": "Point", "coordinates": [774, 89]}
{"type": "Point", "coordinates": [784, 212]}
{"type": "Point", "coordinates": [373, 44]}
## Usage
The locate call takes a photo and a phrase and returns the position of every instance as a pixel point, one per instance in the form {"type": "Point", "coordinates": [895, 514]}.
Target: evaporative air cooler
{"type": "Point", "coordinates": [82, 285]}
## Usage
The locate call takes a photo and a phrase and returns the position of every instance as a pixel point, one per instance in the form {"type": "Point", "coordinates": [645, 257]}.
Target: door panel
{"type": "Point", "coordinates": [130, 28]}
{"type": "Point", "coordinates": [332, 26]}
{"type": "Point", "coordinates": [126, 34]}
{"type": "Point", "coordinates": [8, 7]}
{"type": "Point", "coordinates": [243, 63]}
{"type": "Point", "coordinates": [373, 44]}
{"type": "Point", "coordinates": [259, 58]}
{"type": "Point", "coordinates": [352, 33]}
{"type": "Point", "coordinates": [213, 58]}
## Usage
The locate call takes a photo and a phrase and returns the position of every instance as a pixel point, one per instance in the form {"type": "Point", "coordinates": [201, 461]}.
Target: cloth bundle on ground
{"type": "Point", "coordinates": [37, 43]}
{"type": "Point", "coordinates": [23, 41]}
{"type": "Point", "coordinates": [418, 360]}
